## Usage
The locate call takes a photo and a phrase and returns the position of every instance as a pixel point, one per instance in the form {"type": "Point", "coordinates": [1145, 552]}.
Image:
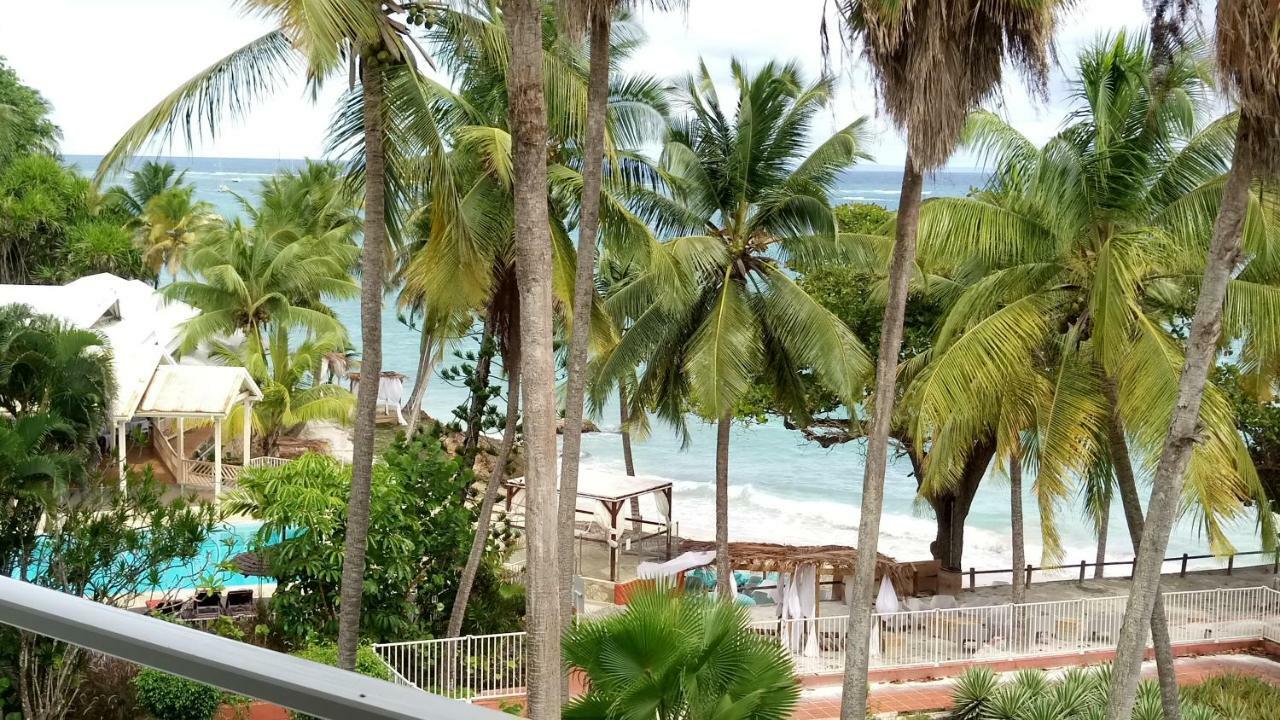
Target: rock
{"type": "Point", "coordinates": [587, 426]}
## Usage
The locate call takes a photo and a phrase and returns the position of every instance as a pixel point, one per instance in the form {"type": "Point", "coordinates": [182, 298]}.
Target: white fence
{"type": "Point", "coordinates": [492, 666]}
{"type": "Point", "coordinates": [199, 473]}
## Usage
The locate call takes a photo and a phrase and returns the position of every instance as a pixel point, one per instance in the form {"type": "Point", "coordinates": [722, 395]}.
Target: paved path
{"type": "Point", "coordinates": [824, 703]}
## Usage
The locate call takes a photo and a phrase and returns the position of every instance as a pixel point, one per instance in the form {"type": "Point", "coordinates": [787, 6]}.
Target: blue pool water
{"type": "Point", "coordinates": [227, 541]}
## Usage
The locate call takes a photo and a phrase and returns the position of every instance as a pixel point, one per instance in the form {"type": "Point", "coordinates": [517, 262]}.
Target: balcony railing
{"type": "Point", "coordinates": [237, 667]}
{"type": "Point", "coordinates": [492, 666]}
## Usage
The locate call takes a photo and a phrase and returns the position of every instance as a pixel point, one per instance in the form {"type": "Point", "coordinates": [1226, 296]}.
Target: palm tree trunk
{"type": "Point", "coordinates": [723, 568]}
{"type": "Point", "coordinates": [479, 392]}
{"type": "Point", "coordinates": [627, 460]}
{"type": "Point", "coordinates": [857, 656]}
{"type": "Point", "coordinates": [1206, 327]}
{"type": "Point", "coordinates": [1104, 522]}
{"type": "Point", "coordinates": [371, 276]}
{"type": "Point", "coordinates": [1120, 460]}
{"type": "Point", "coordinates": [426, 361]}
{"type": "Point", "coordinates": [468, 578]}
{"type": "Point", "coordinates": [533, 272]}
{"type": "Point", "coordinates": [583, 291]}
{"type": "Point", "coordinates": [1019, 583]}
{"type": "Point", "coordinates": [624, 416]}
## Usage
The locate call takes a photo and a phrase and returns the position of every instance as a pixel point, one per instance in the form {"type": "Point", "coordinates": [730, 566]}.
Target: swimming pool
{"type": "Point", "coordinates": [224, 543]}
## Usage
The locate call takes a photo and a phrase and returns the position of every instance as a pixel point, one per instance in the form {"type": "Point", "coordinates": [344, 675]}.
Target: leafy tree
{"type": "Point", "coordinates": [1247, 52]}
{"type": "Point", "coordinates": [383, 128]}
{"type": "Point", "coordinates": [171, 223]}
{"type": "Point", "coordinates": [1259, 423]}
{"type": "Point", "coordinates": [150, 179]}
{"type": "Point", "coordinates": [700, 659]}
{"type": "Point", "coordinates": [715, 313]}
{"type": "Point", "coordinates": [263, 283]}
{"type": "Point", "coordinates": [292, 394]}
{"type": "Point", "coordinates": [25, 127]}
{"type": "Point", "coordinates": [932, 62]}
{"type": "Point", "coordinates": [109, 546]}
{"type": "Point", "coordinates": [421, 520]}
{"type": "Point", "coordinates": [104, 247]}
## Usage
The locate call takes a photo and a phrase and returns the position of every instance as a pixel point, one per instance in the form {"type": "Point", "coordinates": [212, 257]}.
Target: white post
{"type": "Point", "coordinates": [247, 433]}
{"type": "Point", "coordinates": [217, 458]}
{"type": "Point", "coordinates": [182, 453]}
{"type": "Point", "coordinates": [120, 453]}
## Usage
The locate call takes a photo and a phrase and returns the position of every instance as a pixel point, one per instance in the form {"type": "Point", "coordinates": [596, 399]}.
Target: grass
{"type": "Point", "coordinates": [1237, 697]}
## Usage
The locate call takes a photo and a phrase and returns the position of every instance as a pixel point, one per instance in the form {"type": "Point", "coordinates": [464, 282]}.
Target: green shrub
{"type": "Point", "coordinates": [169, 697]}
{"type": "Point", "coordinates": [1238, 697]}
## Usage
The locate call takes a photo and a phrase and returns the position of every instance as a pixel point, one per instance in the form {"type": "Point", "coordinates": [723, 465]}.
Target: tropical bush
{"type": "Point", "coordinates": [673, 656]}
{"type": "Point", "coordinates": [1237, 697]}
{"type": "Point", "coordinates": [422, 517]}
{"type": "Point", "coordinates": [169, 697]}
{"type": "Point", "coordinates": [1081, 694]}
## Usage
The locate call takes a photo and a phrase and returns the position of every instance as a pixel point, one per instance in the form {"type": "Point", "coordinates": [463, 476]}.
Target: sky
{"type": "Point", "coordinates": [108, 61]}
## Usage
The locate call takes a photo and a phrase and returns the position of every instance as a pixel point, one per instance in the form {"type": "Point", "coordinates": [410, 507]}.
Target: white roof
{"type": "Point", "coordinates": [610, 487]}
{"type": "Point", "coordinates": [140, 325]}
{"type": "Point", "coordinates": [196, 390]}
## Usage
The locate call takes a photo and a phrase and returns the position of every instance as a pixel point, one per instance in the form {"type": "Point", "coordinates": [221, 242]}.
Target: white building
{"type": "Point", "coordinates": [142, 328]}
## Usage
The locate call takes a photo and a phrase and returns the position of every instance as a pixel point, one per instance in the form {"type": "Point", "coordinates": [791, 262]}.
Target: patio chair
{"type": "Point", "coordinates": [207, 605]}
{"type": "Point", "coordinates": [239, 602]}
{"type": "Point", "coordinates": [167, 607]}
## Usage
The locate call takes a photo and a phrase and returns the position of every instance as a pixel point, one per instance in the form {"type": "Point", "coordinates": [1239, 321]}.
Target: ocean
{"type": "Point", "coordinates": [782, 488]}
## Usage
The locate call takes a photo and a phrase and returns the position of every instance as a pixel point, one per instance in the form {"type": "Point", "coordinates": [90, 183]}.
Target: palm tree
{"type": "Point", "coordinates": [1072, 268]}
{"type": "Point", "coordinates": [700, 659]}
{"type": "Point", "coordinates": [292, 394]}
{"type": "Point", "coordinates": [598, 16]}
{"type": "Point", "coordinates": [246, 280]}
{"type": "Point", "coordinates": [149, 180]}
{"type": "Point", "coordinates": [385, 121]}
{"type": "Point", "coordinates": [523, 21]}
{"type": "Point", "coordinates": [933, 62]}
{"type": "Point", "coordinates": [1248, 57]}
{"type": "Point", "coordinates": [722, 313]}
{"type": "Point", "coordinates": [170, 223]}
{"type": "Point", "coordinates": [462, 256]}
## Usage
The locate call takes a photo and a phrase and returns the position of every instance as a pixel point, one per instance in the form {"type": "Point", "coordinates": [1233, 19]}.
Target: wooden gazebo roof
{"type": "Point", "coordinates": [771, 557]}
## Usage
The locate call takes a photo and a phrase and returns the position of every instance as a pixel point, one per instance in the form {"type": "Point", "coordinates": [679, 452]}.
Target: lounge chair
{"type": "Point", "coordinates": [168, 606]}
{"type": "Point", "coordinates": [239, 602]}
{"type": "Point", "coordinates": [208, 605]}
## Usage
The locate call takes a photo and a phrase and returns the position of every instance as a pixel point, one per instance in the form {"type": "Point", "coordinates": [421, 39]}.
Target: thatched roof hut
{"type": "Point", "coordinates": [836, 560]}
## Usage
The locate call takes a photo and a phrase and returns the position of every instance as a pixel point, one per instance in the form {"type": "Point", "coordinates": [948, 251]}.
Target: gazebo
{"type": "Point", "coordinates": [600, 500]}
{"type": "Point", "coordinates": [206, 393]}
{"type": "Point", "coordinates": [835, 560]}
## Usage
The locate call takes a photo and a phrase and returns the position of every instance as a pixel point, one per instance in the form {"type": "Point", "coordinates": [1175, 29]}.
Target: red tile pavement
{"type": "Point", "coordinates": [936, 694]}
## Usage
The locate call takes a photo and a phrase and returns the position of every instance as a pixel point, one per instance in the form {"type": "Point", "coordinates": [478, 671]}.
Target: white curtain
{"type": "Point", "coordinates": [806, 586]}
{"type": "Point", "coordinates": [600, 513]}
{"type": "Point", "coordinates": [664, 507]}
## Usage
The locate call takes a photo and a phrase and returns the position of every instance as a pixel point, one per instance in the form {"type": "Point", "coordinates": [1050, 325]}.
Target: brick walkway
{"type": "Point", "coordinates": [824, 703]}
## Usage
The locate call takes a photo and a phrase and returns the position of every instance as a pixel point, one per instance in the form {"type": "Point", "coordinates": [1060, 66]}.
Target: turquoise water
{"type": "Point", "coordinates": [783, 489]}
{"type": "Point", "coordinates": [227, 541]}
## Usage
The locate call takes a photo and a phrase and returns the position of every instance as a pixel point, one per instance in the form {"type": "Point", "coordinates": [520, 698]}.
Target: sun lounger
{"type": "Point", "coordinates": [167, 606]}
{"type": "Point", "coordinates": [208, 605]}
{"type": "Point", "coordinates": [239, 602]}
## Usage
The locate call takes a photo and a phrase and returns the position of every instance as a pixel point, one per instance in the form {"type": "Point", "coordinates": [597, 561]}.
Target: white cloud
{"type": "Point", "coordinates": [102, 63]}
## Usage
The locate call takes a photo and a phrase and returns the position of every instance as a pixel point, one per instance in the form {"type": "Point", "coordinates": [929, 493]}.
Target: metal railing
{"type": "Point", "coordinates": [492, 666]}
{"type": "Point", "coordinates": [237, 667]}
{"type": "Point", "coordinates": [471, 667]}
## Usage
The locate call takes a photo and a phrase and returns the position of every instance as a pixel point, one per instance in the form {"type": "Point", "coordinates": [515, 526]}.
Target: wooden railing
{"type": "Point", "coordinates": [199, 473]}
